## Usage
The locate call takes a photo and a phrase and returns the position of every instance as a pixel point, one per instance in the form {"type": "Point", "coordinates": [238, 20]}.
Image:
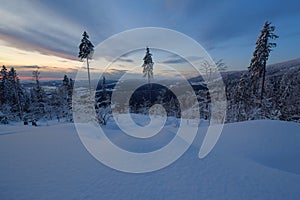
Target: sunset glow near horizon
{"type": "Point", "coordinates": [47, 34]}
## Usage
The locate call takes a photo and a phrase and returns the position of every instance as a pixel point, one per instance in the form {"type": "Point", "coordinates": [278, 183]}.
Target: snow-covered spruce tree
{"type": "Point", "coordinates": [103, 109]}
{"type": "Point", "coordinates": [54, 109]}
{"type": "Point", "coordinates": [104, 94]}
{"type": "Point", "coordinates": [204, 106]}
{"type": "Point", "coordinates": [3, 85]}
{"type": "Point", "coordinates": [270, 106]}
{"type": "Point", "coordinates": [103, 100]}
{"type": "Point", "coordinates": [65, 92]}
{"type": "Point", "coordinates": [13, 97]}
{"type": "Point", "coordinates": [70, 95]}
{"type": "Point", "coordinates": [257, 68]}
{"type": "Point", "coordinates": [103, 114]}
{"type": "Point", "coordinates": [232, 109]}
{"type": "Point", "coordinates": [16, 93]}
{"type": "Point", "coordinates": [243, 99]}
{"type": "Point", "coordinates": [38, 98]}
{"type": "Point", "coordinates": [250, 91]}
{"type": "Point", "coordinates": [148, 68]}
{"type": "Point", "coordinates": [86, 50]}
{"type": "Point", "coordinates": [289, 103]}
{"type": "Point", "coordinates": [174, 108]}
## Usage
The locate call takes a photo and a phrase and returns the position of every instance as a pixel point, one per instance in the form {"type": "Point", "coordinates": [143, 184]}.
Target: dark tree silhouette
{"type": "Point", "coordinates": [86, 50]}
{"type": "Point", "coordinates": [261, 54]}
{"type": "Point", "coordinates": [148, 67]}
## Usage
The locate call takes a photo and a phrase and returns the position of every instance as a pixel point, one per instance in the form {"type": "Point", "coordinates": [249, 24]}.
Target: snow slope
{"type": "Point", "coordinates": [252, 160]}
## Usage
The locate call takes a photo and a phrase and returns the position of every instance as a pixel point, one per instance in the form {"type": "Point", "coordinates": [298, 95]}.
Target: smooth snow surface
{"type": "Point", "coordinates": [252, 160]}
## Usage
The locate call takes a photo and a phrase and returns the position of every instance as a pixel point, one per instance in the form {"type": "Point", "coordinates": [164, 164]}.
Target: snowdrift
{"type": "Point", "coordinates": [252, 160]}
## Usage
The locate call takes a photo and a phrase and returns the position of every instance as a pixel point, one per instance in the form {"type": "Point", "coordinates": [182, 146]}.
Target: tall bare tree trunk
{"type": "Point", "coordinates": [149, 88]}
{"type": "Point", "coordinates": [89, 77]}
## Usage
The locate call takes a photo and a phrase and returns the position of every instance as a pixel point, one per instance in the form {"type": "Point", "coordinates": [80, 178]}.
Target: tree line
{"type": "Point", "coordinates": [30, 105]}
{"type": "Point", "coordinates": [251, 95]}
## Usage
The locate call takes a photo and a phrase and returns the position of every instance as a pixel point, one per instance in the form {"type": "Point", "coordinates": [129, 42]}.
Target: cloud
{"type": "Point", "coordinates": [175, 59]}
{"type": "Point", "coordinates": [213, 22]}
{"type": "Point", "coordinates": [34, 67]}
{"type": "Point", "coordinates": [51, 27]}
{"type": "Point", "coordinates": [45, 71]}
{"type": "Point", "coordinates": [125, 60]}
{"type": "Point", "coordinates": [12, 39]}
{"type": "Point", "coordinates": [55, 27]}
{"type": "Point", "coordinates": [115, 74]}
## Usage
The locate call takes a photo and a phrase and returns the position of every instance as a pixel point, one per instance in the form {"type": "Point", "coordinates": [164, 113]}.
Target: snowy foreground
{"type": "Point", "coordinates": [252, 160]}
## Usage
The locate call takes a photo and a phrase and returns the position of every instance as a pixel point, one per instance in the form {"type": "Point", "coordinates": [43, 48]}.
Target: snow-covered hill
{"type": "Point", "coordinates": [252, 160]}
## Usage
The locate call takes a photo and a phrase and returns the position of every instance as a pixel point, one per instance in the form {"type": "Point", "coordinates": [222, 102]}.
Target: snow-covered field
{"type": "Point", "coordinates": [252, 160]}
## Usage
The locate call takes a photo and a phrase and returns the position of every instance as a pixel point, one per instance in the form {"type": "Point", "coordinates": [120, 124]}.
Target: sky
{"type": "Point", "coordinates": [46, 34]}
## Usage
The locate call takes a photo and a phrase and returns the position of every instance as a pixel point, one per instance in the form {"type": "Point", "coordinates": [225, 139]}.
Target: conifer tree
{"type": "Point", "coordinates": [70, 92]}
{"type": "Point", "coordinates": [38, 98]}
{"type": "Point", "coordinates": [257, 68]}
{"type": "Point", "coordinates": [148, 68]}
{"type": "Point", "coordinates": [86, 50]}
{"type": "Point", "coordinates": [104, 94]}
{"type": "Point", "coordinates": [243, 100]}
{"type": "Point", "coordinates": [16, 92]}
{"type": "Point", "coordinates": [3, 85]}
{"type": "Point", "coordinates": [66, 97]}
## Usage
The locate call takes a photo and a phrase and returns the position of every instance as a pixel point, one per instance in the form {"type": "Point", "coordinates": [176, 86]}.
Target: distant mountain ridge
{"type": "Point", "coordinates": [276, 69]}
